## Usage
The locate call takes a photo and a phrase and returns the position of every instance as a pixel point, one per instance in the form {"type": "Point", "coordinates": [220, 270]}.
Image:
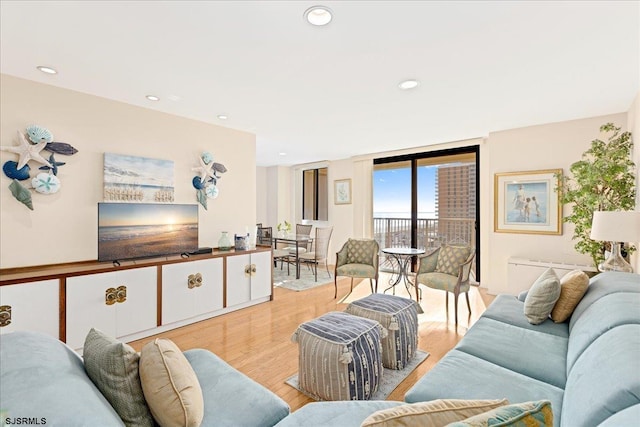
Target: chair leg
{"type": "Point", "coordinates": [455, 305]}
{"type": "Point", "coordinates": [371, 284]}
{"type": "Point", "coordinates": [351, 285]}
{"type": "Point", "coordinates": [335, 284]}
{"type": "Point", "coordinates": [468, 304]}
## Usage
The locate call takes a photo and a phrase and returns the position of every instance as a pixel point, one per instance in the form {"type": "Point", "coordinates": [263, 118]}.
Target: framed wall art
{"type": "Point", "coordinates": [342, 191]}
{"type": "Point", "coordinates": [527, 202]}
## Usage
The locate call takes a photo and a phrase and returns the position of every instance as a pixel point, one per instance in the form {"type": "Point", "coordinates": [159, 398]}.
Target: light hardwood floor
{"type": "Point", "coordinates": [256, 340]}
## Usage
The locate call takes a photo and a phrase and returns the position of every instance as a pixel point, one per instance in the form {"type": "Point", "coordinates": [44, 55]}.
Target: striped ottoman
{"type": "Point", "coordinates": [400, 317]}
{"type": "Point", "coordinates": [340, 357]}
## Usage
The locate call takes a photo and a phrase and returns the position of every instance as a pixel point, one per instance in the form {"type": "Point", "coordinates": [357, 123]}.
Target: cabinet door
{"type": "Point", "coordinates": [238, 279]}
{"type": "Point", "coordinates": [87, 304]}
{"type": "Point", "coordinates": [30, 306]}
{"type": "Point", "coordinates": [139, 311]}
{"type": "Point", "coordinates": [261, 279]}
{"type": "Point", "coordinates": [182, 299]}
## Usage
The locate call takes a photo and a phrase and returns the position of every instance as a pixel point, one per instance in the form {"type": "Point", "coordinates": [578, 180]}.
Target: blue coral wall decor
{"type": "Point", "coordinates": [31, 148]}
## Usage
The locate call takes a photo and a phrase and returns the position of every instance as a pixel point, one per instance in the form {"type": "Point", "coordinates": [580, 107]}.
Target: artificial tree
{"type": "Point", "coordinates": [603, 180]}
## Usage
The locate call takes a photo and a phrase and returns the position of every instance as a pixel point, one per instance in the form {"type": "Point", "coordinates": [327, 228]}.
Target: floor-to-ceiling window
{"type": "Point", "coordinates": [426, 199]}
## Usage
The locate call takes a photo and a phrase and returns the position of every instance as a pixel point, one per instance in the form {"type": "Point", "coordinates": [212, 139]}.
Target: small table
{"type": "Point", "coordinates": [298, 240]}
{"type": "Point", "coordinates": [403, 257]}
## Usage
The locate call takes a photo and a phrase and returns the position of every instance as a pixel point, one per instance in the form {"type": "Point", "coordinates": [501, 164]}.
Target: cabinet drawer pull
{"type": "Point", "coordinates": [5, 315]}
{"type": "Point", "coordinates": [247, 270]}
{"type": "Point", "coordinates": [121, 294]}
{"type": "Point", "coordinates": [110, 296]}
{"type": "Point", "coordinates": [194, 281]}
{"type": "Point", "coordinates": [253, 270]}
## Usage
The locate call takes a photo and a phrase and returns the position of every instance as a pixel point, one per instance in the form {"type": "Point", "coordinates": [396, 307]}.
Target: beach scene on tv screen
{"type": "Point", "coordinates": [138, 230]}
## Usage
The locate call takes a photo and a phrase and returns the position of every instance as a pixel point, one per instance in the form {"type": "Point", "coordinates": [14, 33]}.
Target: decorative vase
{"type": "Point", "coordinates": [224, 244]}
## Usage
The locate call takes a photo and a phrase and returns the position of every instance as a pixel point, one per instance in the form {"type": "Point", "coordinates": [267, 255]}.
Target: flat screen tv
{"type": "Point", "coordinates": [143, 230]}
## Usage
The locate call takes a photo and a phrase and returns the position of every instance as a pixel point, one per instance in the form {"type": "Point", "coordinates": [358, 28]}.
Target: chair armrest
{"type": "Point", "coordinates": [427, 263]}
{"type": "Point", "coordinates": [465, 269]}
{"type": "Point", "coordinates": [341, 256]}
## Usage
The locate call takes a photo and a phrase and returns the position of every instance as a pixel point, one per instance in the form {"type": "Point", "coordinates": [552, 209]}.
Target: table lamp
{"type": "Point", "coordinates": [616, 227]}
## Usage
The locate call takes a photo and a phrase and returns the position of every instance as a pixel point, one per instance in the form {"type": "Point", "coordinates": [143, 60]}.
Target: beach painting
{"type": "Point", "coordinates": [137, 179]}
{"type": "Point", "coordinates": [138, 230]}
{"type": "Point", "coordinates": [527, 202]}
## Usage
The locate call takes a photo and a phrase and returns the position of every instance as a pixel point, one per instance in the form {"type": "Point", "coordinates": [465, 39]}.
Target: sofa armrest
{"type": "Point", "coordinates": [230, 397]}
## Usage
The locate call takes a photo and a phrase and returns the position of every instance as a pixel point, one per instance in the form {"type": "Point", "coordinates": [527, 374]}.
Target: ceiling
{"type": "Point", "coordinates": [325, 93]}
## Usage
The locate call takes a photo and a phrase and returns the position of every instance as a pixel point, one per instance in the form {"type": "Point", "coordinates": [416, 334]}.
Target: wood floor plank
{"type": "Point", "coordinates": [256, 340]}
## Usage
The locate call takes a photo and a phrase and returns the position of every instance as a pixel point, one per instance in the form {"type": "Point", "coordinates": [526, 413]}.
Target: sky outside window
{"type": "Point", "coordinates": [392, 192]}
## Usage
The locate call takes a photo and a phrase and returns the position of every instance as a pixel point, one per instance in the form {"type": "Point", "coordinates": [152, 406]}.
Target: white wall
{"type": "Point", "coordinates": [549, 146]}
{"type": "Point", "coordinates": [63, 226]}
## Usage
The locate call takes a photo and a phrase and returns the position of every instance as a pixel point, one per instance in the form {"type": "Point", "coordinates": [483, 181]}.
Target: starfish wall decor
{"type": "Point", "coordinates": [206, 183]}
{"type": "Point", "coordinates": [31, 144]}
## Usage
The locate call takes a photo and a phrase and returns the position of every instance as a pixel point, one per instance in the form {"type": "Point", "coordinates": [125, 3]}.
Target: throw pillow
{"type": "Point", "coordinates": [450, 258]}
{"type": "Point", "coordinates": [170, 385]}
{"type": "Point", "coordinates": [525, 414]}
{"type": "Point", "coordinates": [434, 413]}
{"type": "Point", "coordinates": [113, 368]}
{"type": "Point", "coordinates": [542, 297]}
{"type": "Point", "coordinates": [573, 286]}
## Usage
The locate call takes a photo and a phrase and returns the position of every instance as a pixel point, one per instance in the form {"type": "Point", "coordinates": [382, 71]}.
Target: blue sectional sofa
{"type": "Point", "coordinates": [43, 379]}
{"type": "Point", "coordinates": [588, 367]}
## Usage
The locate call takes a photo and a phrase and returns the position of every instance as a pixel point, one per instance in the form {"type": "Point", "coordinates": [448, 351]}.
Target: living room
{"type": "Point", "coordinates": [62, 226]}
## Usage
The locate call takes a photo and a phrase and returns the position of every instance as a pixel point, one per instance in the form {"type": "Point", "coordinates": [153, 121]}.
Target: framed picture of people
{"type": "Point", "coordinates": [527, 202]}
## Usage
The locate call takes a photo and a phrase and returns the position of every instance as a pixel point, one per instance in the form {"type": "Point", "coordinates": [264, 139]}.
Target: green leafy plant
{"type": "Point", "coordinates": [603, 180]}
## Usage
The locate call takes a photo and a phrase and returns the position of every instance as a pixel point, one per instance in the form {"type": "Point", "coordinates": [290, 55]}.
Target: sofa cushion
{"type": "Point", "coordinates": [610, 282]}
{"type": "Point", "coordinates": [573, 286]}
{"type": "Point", "coordinates": [342, 413]}
{"type": "Point", "coordinates": [48, 380]}
{"type": "Point", "coordinates": [606, 313]}
{"type": "Point", "coordinates": [534, 354]}
{"type": "Point", "coordinates": [542, 297]}
{"type": "Point", "coordinates": [508, 309]}
{"type": "Point", "coordinates": [626, 417]}
{"type": "Point", "coordinates": [459, 375]}
{"type": "Point", "coordinates": [231, 398]}
{"type": "Point", "coordinates": [605, 379]}
{"type": "Point", "coordinates": [523, 414]}
{"type": "Point", "coordinates": [450, 258]}
{"type": "Point", "coordinates": [113, 368]}
{"type": "Point", "coordinates": [434, 413]}
{"type": "Point", "coordinates": [170, 385]}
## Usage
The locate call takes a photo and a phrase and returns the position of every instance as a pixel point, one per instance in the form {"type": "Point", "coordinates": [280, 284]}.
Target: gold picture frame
{"type": "Point", "coordinates": [527, 202]}
{"type": "Point", "coordinates": [342, 191]}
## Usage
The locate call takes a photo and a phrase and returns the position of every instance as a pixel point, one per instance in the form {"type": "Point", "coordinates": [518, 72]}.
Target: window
{"type": "Point", "coordinates": [315, 194]}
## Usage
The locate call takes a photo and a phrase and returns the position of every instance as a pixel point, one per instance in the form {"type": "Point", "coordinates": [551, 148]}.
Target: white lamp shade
{"type": "Point", "coordinates": [618, 226]}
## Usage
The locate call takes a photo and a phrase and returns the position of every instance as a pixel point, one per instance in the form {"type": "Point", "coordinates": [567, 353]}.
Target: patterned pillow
{"type": "Point", "coordinates": [434, 413]}
{"type": "Point", "coordinates": [113, 368]}
{"type": "Point", "coordinates": [360, 251]}
{"type": "Point", "coordinates": [573, 286]}
{"type": "Point", "coordinates": [542, 297]}
{"type": "Point", "coordinates": [450, 258]}
{"type": "Point", "coordinates": [525, 414]}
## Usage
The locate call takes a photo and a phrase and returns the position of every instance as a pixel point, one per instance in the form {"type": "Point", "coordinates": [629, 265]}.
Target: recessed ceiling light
{"type": "Point", "coordinates": [152, 98]}
{"type": "Point", "coordinates": [408, 84]}
{"type": "Point", "coordinates": [318, 15]}
{"type": "Point", "coordinates": [47, 70]}
{"type": "Point", "coordinates": [282, 154]}
{"type": "Point", "coordinates": [223, 116]}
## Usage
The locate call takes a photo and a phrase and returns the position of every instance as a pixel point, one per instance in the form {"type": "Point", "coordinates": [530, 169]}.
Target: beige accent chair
{"type": "Point", "coordinates": [447, 268]}
{"type": "Point", "coordinates": [320, 250]}
{"type": "Point", "coordinates": [357, 258]}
